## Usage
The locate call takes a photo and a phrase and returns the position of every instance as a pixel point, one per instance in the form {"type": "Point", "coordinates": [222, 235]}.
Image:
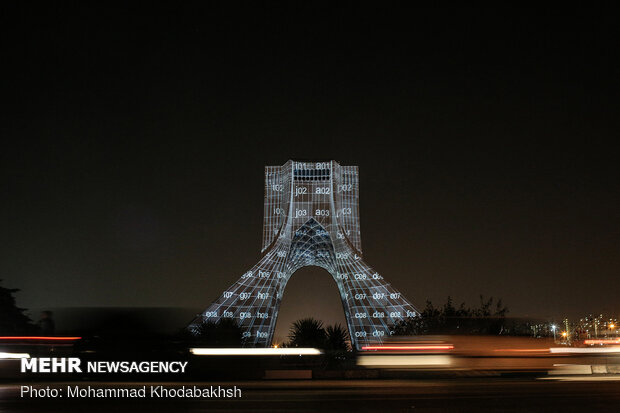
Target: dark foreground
{"type": "Point", "coordinates": [590, 394]}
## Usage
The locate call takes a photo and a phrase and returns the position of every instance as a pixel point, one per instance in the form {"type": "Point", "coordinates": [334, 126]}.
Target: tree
{"type": "Point", "coordinates": [307, 332]}
{"type": "Point", "coordinates": [485, 309]}
{"type": "Point", "coordinates": [224, 333]}
{"type": "Point", "coordinates": [485, 319]}
{"type": "Point", "coordinates": [13, 319]}
{"type": "Point", "coordinates": [337, 338]}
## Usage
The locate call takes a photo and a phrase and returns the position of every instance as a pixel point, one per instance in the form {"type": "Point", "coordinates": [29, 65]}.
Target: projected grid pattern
{"type": "Point", "coordinates": [311, 218]}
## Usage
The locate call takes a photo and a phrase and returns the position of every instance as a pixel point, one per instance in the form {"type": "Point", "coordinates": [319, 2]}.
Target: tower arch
{"type": "Point", "coordinates": [311, 218]}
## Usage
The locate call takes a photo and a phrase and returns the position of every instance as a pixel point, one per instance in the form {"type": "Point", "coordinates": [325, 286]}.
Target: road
{"type": "Point", "coordinates": [589, 394]}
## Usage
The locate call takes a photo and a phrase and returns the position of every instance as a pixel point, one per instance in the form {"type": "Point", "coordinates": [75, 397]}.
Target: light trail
{"type": "Point", "coordinates": [421, 347]}
{"type": "Point", "coordinates": [13, 356]}
{"type": "Point", "coordinates": [255, 351]}
{"type": "Point", "coordinates": [22, 338]}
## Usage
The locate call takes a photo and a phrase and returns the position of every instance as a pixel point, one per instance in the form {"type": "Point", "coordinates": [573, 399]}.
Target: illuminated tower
{"type": "Point", "coordinates": [311, 218]}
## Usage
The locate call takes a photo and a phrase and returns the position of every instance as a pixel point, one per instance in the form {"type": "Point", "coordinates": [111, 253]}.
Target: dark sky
{"type": "Point", "coordinates": [134, 142]}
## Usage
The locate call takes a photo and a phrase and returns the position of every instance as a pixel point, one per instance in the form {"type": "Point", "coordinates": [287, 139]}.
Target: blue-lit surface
{"type": "Point", "coordinates": [311, 218]}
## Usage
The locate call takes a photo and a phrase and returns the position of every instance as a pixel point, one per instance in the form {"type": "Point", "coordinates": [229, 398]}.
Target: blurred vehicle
{"type": "Point", "coordinates": [461, 353]}
{"type": "Point", "coordinates": [422, 352]}
{"type": "Point", "coordinates": [14, 348]}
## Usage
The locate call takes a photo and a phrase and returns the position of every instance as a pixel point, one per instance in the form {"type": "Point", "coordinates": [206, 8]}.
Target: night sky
{"type": "Point", "coordinates": [134, 142]}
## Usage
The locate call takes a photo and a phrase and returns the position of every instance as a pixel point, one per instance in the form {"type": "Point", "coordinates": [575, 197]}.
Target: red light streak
{"type": "Point", "coordinates": [441, 347]}
{"type": "Point", "coordinates": [522, 349]}
{"type": "Point", "coordinates": [39, 338]}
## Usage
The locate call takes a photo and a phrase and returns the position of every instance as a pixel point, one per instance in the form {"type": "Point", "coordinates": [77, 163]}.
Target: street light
{"type": "Point", "coordinates": [553, 327]}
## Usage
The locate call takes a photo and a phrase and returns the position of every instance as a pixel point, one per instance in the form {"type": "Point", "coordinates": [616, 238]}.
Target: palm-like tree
{"type": "Point", "coordinates": [337, 338]}
{"type": "Point", "coordinates": [224, 333]}
{"type": "Point", "coordinates": [307, 332]}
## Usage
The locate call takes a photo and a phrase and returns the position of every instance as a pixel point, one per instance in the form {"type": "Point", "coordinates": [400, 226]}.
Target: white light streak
{"type": "Point", "coordinates": [13, 356]}
{"type": "Point", "coordinates": [614, 349]}
{"type": "Point", "coordinates": [404, 361]}
{"type": "Point", "coordinates": [255, 351]}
